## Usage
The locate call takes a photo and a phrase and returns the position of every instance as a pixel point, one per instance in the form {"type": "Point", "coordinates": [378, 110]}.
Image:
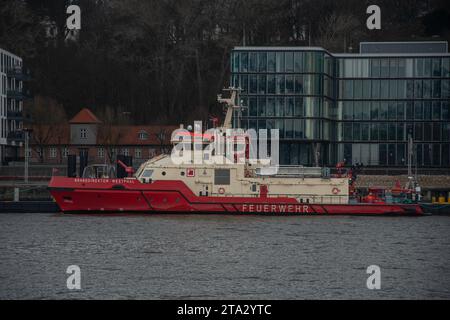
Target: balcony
{"type": "Point", "coordinates": [15, 137]}
{"type": "Point", "coordinates": [19, 73]}
{"type": "Point", "coordinates": [16, 94]}
{"type": "Point", "coordinates": [14, 115]}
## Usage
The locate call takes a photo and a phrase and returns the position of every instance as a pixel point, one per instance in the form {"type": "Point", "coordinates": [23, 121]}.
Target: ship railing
{"type": "Point", "coordinates": [303, 199]}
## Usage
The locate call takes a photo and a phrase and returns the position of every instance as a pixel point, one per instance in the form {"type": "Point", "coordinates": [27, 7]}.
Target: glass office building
{"type": "Point", "coordinates": [357, 108]}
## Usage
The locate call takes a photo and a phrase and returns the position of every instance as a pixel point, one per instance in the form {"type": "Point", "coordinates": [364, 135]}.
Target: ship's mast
{"type": "Point", "coordinates": [231, 106]}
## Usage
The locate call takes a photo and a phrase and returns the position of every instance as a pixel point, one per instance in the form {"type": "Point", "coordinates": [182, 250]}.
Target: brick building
{"type": "Point", "coordinates": [86, 134]}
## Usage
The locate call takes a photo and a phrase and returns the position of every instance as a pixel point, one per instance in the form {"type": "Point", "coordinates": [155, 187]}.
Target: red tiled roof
{"type": "Point", "coordinates": [85, 116]}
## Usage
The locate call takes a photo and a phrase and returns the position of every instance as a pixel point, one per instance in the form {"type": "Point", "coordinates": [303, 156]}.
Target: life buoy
{"type": "Point", "coordinates": [221, 190]}
{"type": "Point", "coordinates": [335, 190]}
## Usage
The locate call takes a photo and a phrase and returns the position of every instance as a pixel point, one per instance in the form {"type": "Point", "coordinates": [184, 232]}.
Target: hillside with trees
{"type": "Point", "coordinates": [164, 61]}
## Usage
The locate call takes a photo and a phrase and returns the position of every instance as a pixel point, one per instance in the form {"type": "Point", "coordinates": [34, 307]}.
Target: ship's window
{"type": "Point", "coordinates": [182, 173]}
{"type": "Point", "coordinates": [147, 174]}
{"type": "Point", "coordinates": [163, 173]}
{"type": "Point", "coordinates": [254, 187]}
{"type": "Point", "coordinates": [222, 176]}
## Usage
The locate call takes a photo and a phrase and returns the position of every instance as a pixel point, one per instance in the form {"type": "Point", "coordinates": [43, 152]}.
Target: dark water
{"type": "Point", "coordinates": [236, 257]}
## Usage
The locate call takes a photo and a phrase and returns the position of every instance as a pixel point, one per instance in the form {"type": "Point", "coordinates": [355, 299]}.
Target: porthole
{"type": "Point", "coordinates": [163, 173]}
{"type": "Point", "coordinates": [182, 173]}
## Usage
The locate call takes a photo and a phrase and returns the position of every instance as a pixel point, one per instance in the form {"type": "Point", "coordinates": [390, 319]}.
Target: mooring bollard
{"type": "Point", "coordinates": [16, 194]}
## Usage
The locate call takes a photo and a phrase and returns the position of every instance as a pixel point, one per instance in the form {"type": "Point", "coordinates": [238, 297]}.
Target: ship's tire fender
{"type": "Point", "coordinates": [221, 190]}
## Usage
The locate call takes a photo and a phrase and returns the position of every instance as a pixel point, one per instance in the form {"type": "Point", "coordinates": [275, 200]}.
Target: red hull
{"type": "Point", "coordinates": [117, 195]}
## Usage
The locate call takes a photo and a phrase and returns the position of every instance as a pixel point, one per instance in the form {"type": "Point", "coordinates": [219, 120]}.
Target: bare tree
{"type": "Point", "coordinates": [49, 120]}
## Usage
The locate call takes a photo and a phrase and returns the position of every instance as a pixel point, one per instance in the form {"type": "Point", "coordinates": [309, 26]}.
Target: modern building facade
{"type": "Point", "coordinates": [357, 108]}
{"type": "Point", "coordinates": [11, 106]}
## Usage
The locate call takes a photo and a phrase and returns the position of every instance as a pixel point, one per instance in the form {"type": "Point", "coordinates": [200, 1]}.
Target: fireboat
{"type": "Point", "coordinates": [221, 186]}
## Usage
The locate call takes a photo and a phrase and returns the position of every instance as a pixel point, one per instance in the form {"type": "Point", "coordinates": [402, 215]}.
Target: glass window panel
{"type": "Point", "coordinates": [289, 124]}
{"type": "Point", "coordinates": [374, 132]}
{"type": "Point", "coordinates": [384, 70]}
{"type": "Point", "coordinates": [366, 110]}
{"type": "Point", "coordinates": [279, 110]}
{"type": "Point", "coordinates": [445, 110]}
{"type": "Point", "coordinates": [348, 131]}
{"type": "Point", "coordinates": [236, 62]}
{"type": "Point", "coordinates": [271, 62]}
{"type": "Point", "coordinates": [357, 110]}
{"type": "Point", "coordinates": [374, 110]}
{"type": "Point", "coordinates": [298, 62]}
{"type": "Point", "coordinates": [298, 84]}
{"type": "Point", "coordinates": [244, 83]}
{"type": "Point", "coordinates": [253, 65]}
{"type": "Point", "coordinates": [367, 89]}
{"type": "Point", "coordinates": [418, 110]}
{"type": "Point", "coordinates": [427, 131]}
{"type": "Point", "coordinates": [436, 110]}
{"type": "Point", "coordinates": [299, 127]}
{"type": "Point", "coordinates": [244, 61]}
{"type": "Point", "coordinates": [384, 89]}
{"type": "Point", "coordinates": [401, 158]}
{"type": "Point", "coordinates": [392, 131]}
{"type": "Point", "coordinates": [383, 154]}
{"type": "Point", "coordinates": [252, 107]}
{"type": "Point", "coordinates": [436, 67]}
{"type": "Point", "coordinates": [347, 111]}
{"type": "Point", "coordinates": [375, 89]}
{"type": "Point", "coordinates": [253, 83]}
{"type": "Point", "coordinates": [401, 89]}
{"type": "Point", "coordinates": [445, 155]}
{"type": "Point", "coordinates": [348, 89]}
{"type": "Point", "coordinates": [446, 67]}
{"type": "Point", "coordinates": [391, 154]}
{"type": "Point", "coordinates": [261, 106]}
{"type": "Point", "coordinates": [271, 84]}
{"type": "Point", "coordinates": [409, 89]}
{"type": "Point", "coordinates": [262, 81]}
{"type": "Point", "coordinates": [358, 89]}
{"type": "Point", "coordinates": [270, 107]}
{"type": "Point", "coordinates": [409, 68]}
{"type": "Point", "coordinates": [280, 61]}
{"type": "Point", "coordinates": [436, 88]}
{"type": "Point", "coordinates": [262, 61]}
{"type": "Point", "coordinates": [400, 111]}
{"type": "Point", "coordinates": [445, 89]}
{"type": "Point", "coordinates": [289, 56]}
{"type": "Point", "coordinates": [418, 68]}
{"type": "Point", "coordinates": [436, 155]}
{"type": "Point", "coordinates": [401, 68]}
{"type": "Point", "coordinates": [400, 131]}
{"type": "Point", "coordinates": [383, 115]}
{"type": "Point", "coordinates": [427, 154]}
{"type": "Point", "coordinates": [280, 84]}
{"type": "Point", "coordinates": [375, 68]}
{"type": "Point", "coordinates": [393, 68]}
{"type": "Point", "coordinates": [365, 131]}
{"type": "Point", "coordinates": [289, 84]}
{"type": "Point", "coordinates": [392, 110]}
{"type": "Point", "coordinates": [418, 88]}
{"type": "Point", "coordinates": [427, 67]}
{"type": "Point", "coordinates": [289, 106]}
{"type": "Point", "coordinates": [426, 110]}
{"type": "Point", "coordinates": [356, 131]}
{"type": "Point", "coordinates": [418, 131]}
{"type": "Point", "coordinates": [426, 88]}
{"type": "Point", "coordinates": [393, 89]}
{"type": "Point", "coordinates": [383, 131]}
{"type": "Point", "coordinates": [436, 131]}
{"type": "Point", "coordinates": [298, 112]}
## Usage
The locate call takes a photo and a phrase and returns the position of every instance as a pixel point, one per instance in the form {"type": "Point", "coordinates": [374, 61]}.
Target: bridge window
{"type": "Point", "coordinates": [222, 176]}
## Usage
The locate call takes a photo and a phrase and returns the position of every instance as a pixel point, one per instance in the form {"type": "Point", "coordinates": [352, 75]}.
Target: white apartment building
{"type": "Point", "coordinates": [11, 106]}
